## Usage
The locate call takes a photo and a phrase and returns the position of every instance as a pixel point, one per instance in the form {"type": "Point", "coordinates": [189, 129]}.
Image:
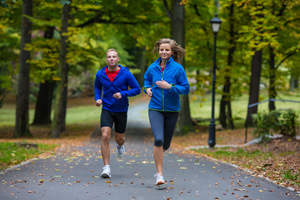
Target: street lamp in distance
{"type": "Point", "coordinates": [215, 25]}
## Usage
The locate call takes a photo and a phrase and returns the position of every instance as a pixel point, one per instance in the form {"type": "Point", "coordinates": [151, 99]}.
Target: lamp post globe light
{"type": "Point", "coordinates": [215, 25]}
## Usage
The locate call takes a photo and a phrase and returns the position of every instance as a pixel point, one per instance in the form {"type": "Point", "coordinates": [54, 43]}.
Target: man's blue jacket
{"type": "Point", "coordinates": [122, 81]}
{"type": "Point", "coordinates": [174, 74]}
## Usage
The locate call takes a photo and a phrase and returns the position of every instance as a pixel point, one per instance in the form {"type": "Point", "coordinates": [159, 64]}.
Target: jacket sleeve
{"type": "Point", "coordinates": [147, 80]}
{"type": "Point", "coordinates": [183, 86]}
{"type": "Point", "coordinates": [97, 87]}
{"type": "Point", "coordinates": [134, 87]}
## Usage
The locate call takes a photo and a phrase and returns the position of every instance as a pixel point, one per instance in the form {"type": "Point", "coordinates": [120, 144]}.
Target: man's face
{"type": "Point", "coordinates": [112, 58]}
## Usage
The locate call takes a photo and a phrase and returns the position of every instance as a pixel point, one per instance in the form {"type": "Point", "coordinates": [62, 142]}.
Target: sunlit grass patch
{"type": "Point", "coordinates": [232, 155]}
{"type": "Point", "coordinates": [13, 153]}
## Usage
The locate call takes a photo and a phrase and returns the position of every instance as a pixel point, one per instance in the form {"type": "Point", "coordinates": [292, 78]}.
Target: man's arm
{"type": "Point", "coordinates": [133, 84]}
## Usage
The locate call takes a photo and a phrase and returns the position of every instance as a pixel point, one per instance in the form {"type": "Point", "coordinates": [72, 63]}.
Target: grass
{"type": "Point", "coordinates": [12, 153]}
{"type": "Point", "coordinates": [237, 154]}
{"type": "Point", "coordinates": [294, 177]}
{"type": "Point", "coordinates": [81, 114]}
{"type": "Point", "coordinates": [201, 106]}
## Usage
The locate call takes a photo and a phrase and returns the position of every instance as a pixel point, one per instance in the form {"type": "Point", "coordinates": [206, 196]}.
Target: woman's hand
{"type": "Point", "coordinates": [163, 84]}
{"type": "Point", "coordinates": [149, 92]}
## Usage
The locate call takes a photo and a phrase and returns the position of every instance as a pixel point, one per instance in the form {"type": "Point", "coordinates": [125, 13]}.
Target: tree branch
{"type": "Point", "coordinates": [289, 55]}
{"type": "Point", "coordinates": [167, 9]}
{"type": "Point", "coordinates": [283, 7]}
{"type": "Point", "coordinates": [289, 21]}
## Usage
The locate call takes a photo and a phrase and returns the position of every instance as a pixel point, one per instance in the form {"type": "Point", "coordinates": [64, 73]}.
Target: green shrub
{"type": "Point", "coordinates": [282, 120]}
{"type": "Point", "coordinates": [285, 122]}
{"type": "Point", "coordinates": [263, 125]}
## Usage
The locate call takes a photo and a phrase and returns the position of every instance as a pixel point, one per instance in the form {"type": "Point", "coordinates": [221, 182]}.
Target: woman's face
{"type": "Point", "coordinates": [165, 51]}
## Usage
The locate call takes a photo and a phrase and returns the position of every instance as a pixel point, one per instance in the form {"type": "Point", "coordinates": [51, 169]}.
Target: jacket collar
{"type": "Point", "coordinates": [157, 62]}
{"type": "Point", "coordinates": [122, 70]}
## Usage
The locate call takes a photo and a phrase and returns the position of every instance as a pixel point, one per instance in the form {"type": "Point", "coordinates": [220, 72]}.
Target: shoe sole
{"type": "Point", "coordinates": [105, 176]}
{"type": "Point", "coordinates": [160, 183]}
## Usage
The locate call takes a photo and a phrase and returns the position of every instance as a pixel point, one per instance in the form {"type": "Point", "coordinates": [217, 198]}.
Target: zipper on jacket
{"type": "Point", "coordinates": [162, 91]}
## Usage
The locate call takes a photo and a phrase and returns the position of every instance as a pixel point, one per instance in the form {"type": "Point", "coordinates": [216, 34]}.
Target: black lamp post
{"type": "Point", "coordinates": [215, 25]}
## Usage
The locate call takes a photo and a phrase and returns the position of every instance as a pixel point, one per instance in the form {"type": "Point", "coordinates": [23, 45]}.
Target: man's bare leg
{"type": "Point", "coordinates": [120, 138]}
{"type": "Point", "coordinates": [105, 151]}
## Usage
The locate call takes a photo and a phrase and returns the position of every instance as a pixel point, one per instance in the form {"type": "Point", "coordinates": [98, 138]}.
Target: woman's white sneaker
{"type": "Point", "coordinates": [106, 172]}
{"type": "Point", "coordinates": [159, 179]}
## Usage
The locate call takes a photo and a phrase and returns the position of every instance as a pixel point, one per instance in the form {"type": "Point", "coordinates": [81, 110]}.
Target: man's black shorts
{"type": "Point", "coordinates": [118, 118]}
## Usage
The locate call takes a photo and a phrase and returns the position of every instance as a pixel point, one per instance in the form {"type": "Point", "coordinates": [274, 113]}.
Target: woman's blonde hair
{"type": "Point", "coordinates": [178, 51]}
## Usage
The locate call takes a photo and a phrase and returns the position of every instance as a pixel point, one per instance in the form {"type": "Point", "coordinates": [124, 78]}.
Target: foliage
{"type": "Point", "coordinates": [264, 123]}
{"type": "Point", "coordinates": [285, 122]}
{"type": "Point", "coordinates": [282, 120]}
{"type": "Point", "coordinates": [9, 44]}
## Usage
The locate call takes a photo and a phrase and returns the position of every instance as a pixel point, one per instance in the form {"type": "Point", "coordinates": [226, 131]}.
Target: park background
{"type": "Point", "coordinates": [51, 50]}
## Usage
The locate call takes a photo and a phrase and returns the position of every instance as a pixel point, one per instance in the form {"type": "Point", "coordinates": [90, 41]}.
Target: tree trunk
{"type": "Point", "coordinates": [22, 104]}
{"type": "Point", "coordinates": [272, 78]}
{"type": "Point", "coordinates": [185, 123]}
{"type": "Point", "coordinates": [59, 121]}
{"type": "Point", "coordinates": [43, 105]}
{"type": "Point", "coordinates": [294, 83]}
{"type": "Point", "coordinates": [226, 96]}
{"type": "Point", "coordinates": [254, 84]}
{"type": "Point", "coordinates": [44, 99]}
{"type": "Point", "coordinates": [255, 72]}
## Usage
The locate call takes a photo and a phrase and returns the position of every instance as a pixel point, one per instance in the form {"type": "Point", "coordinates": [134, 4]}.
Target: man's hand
{"type": "Point", "coordinates": [149, 92]}
{"type": "Point", "coordinates": [117, 95]}
{"type": "Point", "coordinates": [163, 84]}
{"type": "Point", "coordinates": [99, 102]}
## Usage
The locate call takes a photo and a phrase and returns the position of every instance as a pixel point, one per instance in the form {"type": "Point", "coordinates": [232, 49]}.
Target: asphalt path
{"type": "Point", "coordinates": [76, 174]}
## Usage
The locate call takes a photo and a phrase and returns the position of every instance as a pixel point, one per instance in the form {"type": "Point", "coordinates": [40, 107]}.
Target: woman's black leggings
{"type": "Point", "coordinates": [163, 125]}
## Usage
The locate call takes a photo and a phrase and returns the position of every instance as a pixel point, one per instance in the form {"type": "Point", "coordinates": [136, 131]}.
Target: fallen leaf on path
{"type": "Point", "coordinates": [239, 189]}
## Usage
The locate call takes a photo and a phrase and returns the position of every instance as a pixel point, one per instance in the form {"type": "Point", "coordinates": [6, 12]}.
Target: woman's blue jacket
{"type": "Point", "coordinates": [120, 84]}
{"type": "Point", "coordinates": [174, 74]}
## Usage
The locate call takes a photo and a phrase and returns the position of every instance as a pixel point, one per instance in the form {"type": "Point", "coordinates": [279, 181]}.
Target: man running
{"type": "Point", "coordinates": [113, 80]}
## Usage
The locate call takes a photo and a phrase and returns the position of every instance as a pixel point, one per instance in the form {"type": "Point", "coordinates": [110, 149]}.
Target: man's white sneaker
{"type": "Point", "coordinates": [106, 172]}
{"type": "Point", "coordinates": [159, 179]}
{"type": "Point", "coordinates": [121, 150]}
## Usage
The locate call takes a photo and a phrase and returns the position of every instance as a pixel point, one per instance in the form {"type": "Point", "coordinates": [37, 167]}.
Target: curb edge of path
{"type": "Point", "coordinates": [2, 172]}
{"type": "Point", "coordinates": [241, 168]}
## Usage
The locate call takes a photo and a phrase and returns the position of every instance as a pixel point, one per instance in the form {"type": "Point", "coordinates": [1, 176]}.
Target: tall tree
{"type": "Point", "coordinates": [256, 63]}
{"type": "Point", "coordinates": [22, 105]}
{"type": "Point", "coordinates": [45, 95]}
{"type": "Point", "coordinates": [178, 34]}
{"type": "Point", "coordinates": [59, 121]}
{"type": "Point", "coordinates": [225, 103]}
